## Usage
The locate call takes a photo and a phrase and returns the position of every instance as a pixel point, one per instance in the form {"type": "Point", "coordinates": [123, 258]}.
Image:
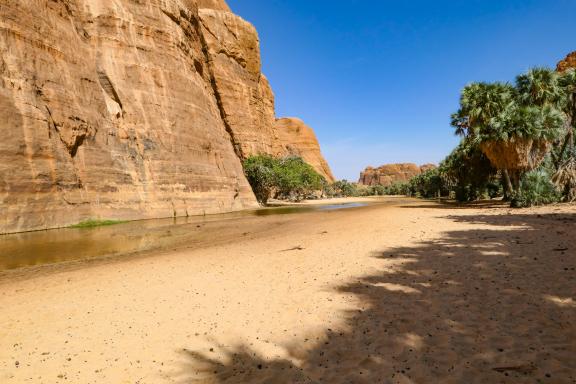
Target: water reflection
{"type": "Point", "coordinates": [60, 245]}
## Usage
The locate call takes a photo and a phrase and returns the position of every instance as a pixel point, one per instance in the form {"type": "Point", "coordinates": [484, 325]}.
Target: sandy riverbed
{"type": "Point", "coordinates": [416, 292]}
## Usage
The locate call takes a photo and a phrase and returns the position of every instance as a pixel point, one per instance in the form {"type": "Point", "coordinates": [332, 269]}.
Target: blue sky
{"type": "Point", "coordinates": [378, 79]}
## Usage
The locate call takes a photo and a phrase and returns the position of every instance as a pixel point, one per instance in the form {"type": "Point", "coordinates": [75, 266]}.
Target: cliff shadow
{"type": "Point", "coordinates": [491, 305]}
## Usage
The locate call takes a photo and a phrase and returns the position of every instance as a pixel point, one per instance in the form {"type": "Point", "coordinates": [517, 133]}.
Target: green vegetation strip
{"type": "Point", "coordinates": [96, 223]}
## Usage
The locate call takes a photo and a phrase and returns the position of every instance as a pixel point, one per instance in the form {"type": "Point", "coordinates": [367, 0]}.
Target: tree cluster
{"type": "Point", "coordinates": [517, 141]}
{"type": "Point", "coordinates": [284, 178]}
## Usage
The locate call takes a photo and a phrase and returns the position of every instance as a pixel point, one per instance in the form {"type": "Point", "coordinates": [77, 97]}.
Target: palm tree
{"type": "Point", "coordinates": [513, 126]}
{"type": "Point", "coordinates": [539, 86]}
{"type": "Point", "coordinates": [479, 103]}
{"type": "Point", "coordinates": [565, 179]}
{"type": "Point", "coordinates": [567, 82]}
{"type": "Point", "coordinates": [565, 176]}
{"type": "Point", "coordinates": [521, 137]}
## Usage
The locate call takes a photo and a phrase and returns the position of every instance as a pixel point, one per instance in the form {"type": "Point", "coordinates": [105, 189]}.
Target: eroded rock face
{"type": "Point", "coordinates": [567, 63]}
{"type": "Point", "coordinates": [245, 97]}
{"type": "Point", "coordinates": [214, 4]}
{"type": "Point", "coordinates": [107, 110]}
{"type": "Point", "coordinates": [390, 174]}
{"type": "Point", "coordinates": [127, 109]}
{"type": "Point", "coordinates": [298, 139]}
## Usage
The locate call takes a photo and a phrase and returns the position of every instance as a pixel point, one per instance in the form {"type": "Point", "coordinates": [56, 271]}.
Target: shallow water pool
{"type": "Point", "coordinates": [69, 244]}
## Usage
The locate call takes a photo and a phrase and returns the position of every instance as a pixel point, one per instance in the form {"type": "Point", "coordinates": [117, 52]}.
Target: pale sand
{"type": "Point", "coordinates": [420, 293]}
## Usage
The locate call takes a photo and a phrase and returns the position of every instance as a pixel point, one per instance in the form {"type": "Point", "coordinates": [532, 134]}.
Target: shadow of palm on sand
{"type": "Point", "coordinates": [476, 306]}
{"type": "Point", "coordinates": [444, 204]}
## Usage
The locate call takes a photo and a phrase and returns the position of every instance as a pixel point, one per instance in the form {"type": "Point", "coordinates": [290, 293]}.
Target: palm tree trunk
{"type": "Point", "coordinates": [572, 126]}
{"type": "Point", "coordinates": [516, 176]}
{"type": "Point", "coordinates": [572, 130]}
{"type": "Point", "coordinates": [555, 159]}
{"type": "Point", "coordinates": [573, 122]}
{"type": "Point", "coordinates": [509, 188]}
{"type": "Point", "coordinates": [567, 142]}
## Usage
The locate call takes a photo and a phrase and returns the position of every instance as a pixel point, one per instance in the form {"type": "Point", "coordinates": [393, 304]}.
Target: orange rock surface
{"type": "Point", "coordinates": [568, 62]}
{"type": "Point", "coordinates": [298, 139]}
{"type": "Point", "coordinates": [120, 109]}
{"type": "Point", "coordinates": [390, 174]}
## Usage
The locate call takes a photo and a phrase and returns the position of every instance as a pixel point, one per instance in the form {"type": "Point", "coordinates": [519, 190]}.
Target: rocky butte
{"type": "Point", "coordinates": [390, 174]}
{"type": "Point", "coordinates": [123, 109]}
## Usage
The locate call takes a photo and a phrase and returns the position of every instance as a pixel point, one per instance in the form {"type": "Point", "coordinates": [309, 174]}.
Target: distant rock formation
{"type": "Point", "coordinates": [129, 109]}
{"type": "Point", "coordinates": [390, 174]}
{"type": "Point", "coordinates": [568, 62]}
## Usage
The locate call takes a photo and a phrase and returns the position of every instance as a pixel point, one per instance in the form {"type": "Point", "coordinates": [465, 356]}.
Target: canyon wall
{"type": "Point", "coordinates": [390, 174]}
{"type": "Point", "coordinates": [121, 109]}
{"type": "Point", "coordinates": [245, 96]}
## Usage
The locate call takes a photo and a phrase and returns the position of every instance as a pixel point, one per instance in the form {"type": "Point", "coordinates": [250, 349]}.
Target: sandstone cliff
{"type": "Point", "coordinates": [568, 62]}
{"type": "Point", "coordinates": [390, 174]}
{"type": "Point", "coordinates": [214, 4]}
{"type": "Point", "coordinates": [125, 109]}
{"type": "Point", "coordinates": [245, 96]}
{"type": "Point", "coordinates": [298, 139]}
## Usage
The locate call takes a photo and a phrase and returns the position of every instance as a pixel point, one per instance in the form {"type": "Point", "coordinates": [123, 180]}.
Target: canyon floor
{"type": "Point", "coordinates": [406, 292]}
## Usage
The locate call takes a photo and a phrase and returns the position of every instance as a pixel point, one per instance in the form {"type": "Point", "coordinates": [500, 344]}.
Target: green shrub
{"type": "Point", "coordinates": [427, 184]}
{"type": "Point", "coordinates": [296, 179]}
{"type": "Point", "coordinates": [494, 189]}
{"type": "Point", "coordinates": [91, 223]}
{"type": "Point", "coordinates": [261, 174]}
{"type": "Point", "coordinates": [288, 178]}
{"type": "Point", "coordinates": [344, 188]}
{"type": "Point", "coordinates": [380, 190]}
{"type": "Point", "coordinates": [535, 189]}
{"type": "Point", "coordinates": [464, 193]}
{"type": "Point", "coordinates": [468, 175]}
{"type": "Point", "coordinates": [397, 189]}
{"type": "Point", "coordinates": [375, 190]}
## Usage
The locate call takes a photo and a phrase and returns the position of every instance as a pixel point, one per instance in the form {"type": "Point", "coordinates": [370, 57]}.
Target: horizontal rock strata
{"type": "Point", "coordinates": [124, 109]}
